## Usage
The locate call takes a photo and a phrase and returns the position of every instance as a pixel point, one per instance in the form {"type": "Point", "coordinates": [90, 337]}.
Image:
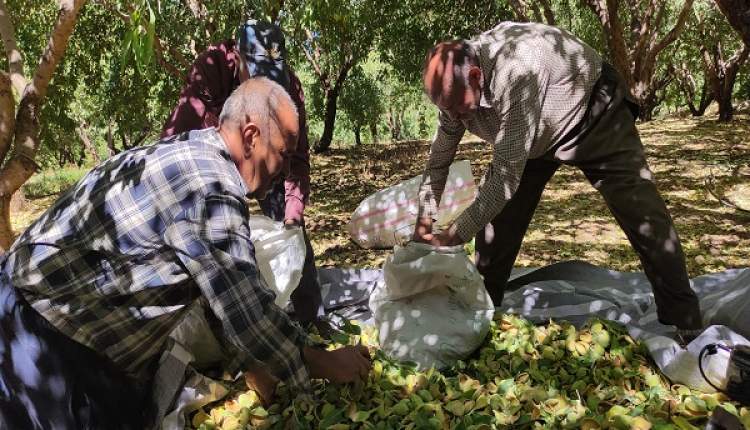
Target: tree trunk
{"type": "Point", "coordinates": [111, 141]}
{"type": "Point", "coordinates": [394, 124]}
{"type": "Point", "coordinates": [21, 165]}
{"type": "Point", "coordinates": [374, 132]}
{"type": "Point", "coordinates": [90, 148]}
{"type": "Point", "coordinates": [704, 102]}
{"type": "Point", "coordinates": [6, 232]}
{"type": "Point", "coordinates": [722, 75]}
{"type": "Point", "coordinates": [422, 121]}
{"type": "Point", "coordinates": [329, 122]}
{"type": "Point", "coordinates": [357, 135]}
{"type": "Point", "coordinates": [726, 110]}
{"type": "Point", "coordinates": [332, 97]}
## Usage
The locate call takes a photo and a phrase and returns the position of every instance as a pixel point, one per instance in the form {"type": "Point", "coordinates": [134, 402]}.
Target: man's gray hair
{"type": "Point", "coordinates": [257, 99]}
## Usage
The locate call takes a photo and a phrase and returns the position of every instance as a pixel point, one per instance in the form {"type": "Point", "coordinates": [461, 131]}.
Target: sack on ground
{"type": "Point", "coordinates": [280, 254]}
{"type": "Point", "coordinates": [431, 307]}
{"type": "Point", "coordinates": [387, 217]}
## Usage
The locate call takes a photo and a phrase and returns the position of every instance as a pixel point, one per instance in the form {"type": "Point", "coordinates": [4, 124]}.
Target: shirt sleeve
{"type": "Point", "coordinates": [442, 151]}
{"type": "Point", "coordinates": [297, 184]}
{"type": "Point", "coordinates": [516, 88]}
{"type": "Point", "coordinates": [213, 242]}
{"type": "Point", "coordinates": [209, 82]}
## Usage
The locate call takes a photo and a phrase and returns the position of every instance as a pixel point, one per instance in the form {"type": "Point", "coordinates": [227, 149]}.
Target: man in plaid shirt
{"type": "Point", "coordinates": [91, 291]}
{"type": "Point", "coordinates": [542, 98]}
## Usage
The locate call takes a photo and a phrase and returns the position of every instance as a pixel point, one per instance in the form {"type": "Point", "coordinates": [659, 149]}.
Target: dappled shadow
{"type": "Point", "coordinates": [95, 257]}
{"type": "Point", "coordinates": [571, 221]}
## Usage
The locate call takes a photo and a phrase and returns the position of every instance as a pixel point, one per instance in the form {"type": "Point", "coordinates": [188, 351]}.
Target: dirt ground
{"type": "Point", "coordinates": [689, 157]}
{"type": "Point", "coordinates": [572, 221]}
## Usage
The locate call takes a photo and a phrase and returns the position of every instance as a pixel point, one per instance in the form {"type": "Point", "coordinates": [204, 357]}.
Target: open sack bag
{"type": "Point", "coordinates": [431, 306]}
{"type": "Point", "coordinates": [387, 217]}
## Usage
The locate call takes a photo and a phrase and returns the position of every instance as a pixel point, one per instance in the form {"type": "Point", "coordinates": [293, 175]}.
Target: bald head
{"type": "Point", "coordinates": [260, 127]}
{"type": "Point", "coordinates": [452, 77]}
{"type": "Point", "coordinates": [263, 102]}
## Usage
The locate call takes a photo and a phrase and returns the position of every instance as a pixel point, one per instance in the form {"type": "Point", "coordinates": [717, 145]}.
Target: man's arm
{"type": "Point", "coordinates": [209, 82]}
{"type": "Point", "coordinates": [517, 96]}
{"type": "Point", "coordinates": [297, 184]}
{"type": "Point", "coordinates": [442, 152]}
{"type": "Point", "coordinates": [213, 242]}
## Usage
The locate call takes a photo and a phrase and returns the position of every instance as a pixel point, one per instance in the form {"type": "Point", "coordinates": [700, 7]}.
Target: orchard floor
{"type": "Point", "coordinates": [572, 221]}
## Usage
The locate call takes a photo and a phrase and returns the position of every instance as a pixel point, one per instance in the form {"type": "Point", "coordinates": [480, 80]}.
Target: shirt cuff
{"type": "Point", "coordinates": [466, 225]}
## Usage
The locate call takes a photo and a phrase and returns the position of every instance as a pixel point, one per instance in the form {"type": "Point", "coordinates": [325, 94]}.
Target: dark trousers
{"type": "Point", "coordinates": [306, 299]}
{"type": "Point", "coordinates": [608, 150]}
{"type": "Point", "coordinates": [49, 381]}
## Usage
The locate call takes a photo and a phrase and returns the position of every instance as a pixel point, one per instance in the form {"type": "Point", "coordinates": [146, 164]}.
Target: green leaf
{"type": "Point", "coordinates": [332, 418]}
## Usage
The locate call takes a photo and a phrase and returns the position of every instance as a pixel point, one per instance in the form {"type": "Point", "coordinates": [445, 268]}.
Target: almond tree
{"type": "Point", "coordinates": [722, 69]}
{"type": "Point", "coordinates": [21, 100]}
{"type": "Point", "coordinates": [637, 32]}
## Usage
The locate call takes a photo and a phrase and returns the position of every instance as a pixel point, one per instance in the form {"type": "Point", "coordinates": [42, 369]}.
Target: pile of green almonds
{"type": "Point", "coordinates": [549, 376]}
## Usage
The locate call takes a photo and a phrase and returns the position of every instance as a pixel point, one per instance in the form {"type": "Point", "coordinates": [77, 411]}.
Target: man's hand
{"type": "Point", "coordinates": [423, 230]}
{"type": "Point", "coordinates": [347, 364]}
{"type": "Point", "coordinates": [447, 237]}
{"type": "Point", "coordinates": [263, 383]}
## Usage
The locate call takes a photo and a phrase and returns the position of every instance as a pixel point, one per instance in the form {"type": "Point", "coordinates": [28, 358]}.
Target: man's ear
{"type": "Point", "coordinates": [250, 135]}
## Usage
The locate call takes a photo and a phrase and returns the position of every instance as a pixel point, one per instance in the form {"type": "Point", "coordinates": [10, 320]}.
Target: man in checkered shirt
{"type": "Point", "coordinates": [91, 291]}
{"type": "Point", "coordinates": [541, 97]}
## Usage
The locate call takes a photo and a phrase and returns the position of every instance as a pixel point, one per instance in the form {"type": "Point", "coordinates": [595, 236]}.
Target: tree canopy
{"type": "Point", "coordinates": [81, 80]}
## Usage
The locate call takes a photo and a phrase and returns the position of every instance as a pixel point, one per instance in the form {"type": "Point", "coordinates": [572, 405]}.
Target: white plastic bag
{"type": "Point", "coordinates": [280, 254]}
{"type": "Point", "coordinates": [387, 217]}
{"type": "Point", "coordinates": [431, 307]}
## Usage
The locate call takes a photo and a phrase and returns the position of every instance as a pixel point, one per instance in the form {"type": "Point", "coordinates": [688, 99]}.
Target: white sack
{"type": "Point", "coordinates": [431, 307]}
{"type": "Point", "coordinates": [280, 254]}
{"type": "Point", "coordinates": [387, 217]}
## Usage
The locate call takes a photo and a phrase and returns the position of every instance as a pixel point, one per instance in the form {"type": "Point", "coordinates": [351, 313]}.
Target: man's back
{"type": "Point", "coordinates": [101, 264]}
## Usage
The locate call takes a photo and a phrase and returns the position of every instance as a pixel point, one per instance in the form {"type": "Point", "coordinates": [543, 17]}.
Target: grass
{"type": "Point", "coordinates": [571, 222]}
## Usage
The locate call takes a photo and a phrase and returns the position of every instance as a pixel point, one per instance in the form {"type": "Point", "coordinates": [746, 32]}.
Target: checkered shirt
{"type": "Point", "coordinates": [119, 258]}
{"type": "Point", "coordinates": [537, 81]}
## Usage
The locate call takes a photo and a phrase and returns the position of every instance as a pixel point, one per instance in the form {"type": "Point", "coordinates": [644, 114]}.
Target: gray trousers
{"type": "Point", "coordinates": [306, 299]}
{"type": "Point", "coordinates": [608, 150]}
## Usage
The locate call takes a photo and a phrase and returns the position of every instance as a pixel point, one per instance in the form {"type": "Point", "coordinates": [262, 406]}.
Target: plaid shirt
{"type": "Point", "coordinates": [537, 81]}
{"type": "Point", "coordinates": [116, 262]}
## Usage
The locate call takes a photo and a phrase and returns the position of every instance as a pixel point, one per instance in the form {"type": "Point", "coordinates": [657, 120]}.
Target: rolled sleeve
{"type": "Point", "coordinates": [213, 241]}
{"type": "Point", "coordinates": [442, 153]}
{"type": "Point", "coordinates": [297, 185]}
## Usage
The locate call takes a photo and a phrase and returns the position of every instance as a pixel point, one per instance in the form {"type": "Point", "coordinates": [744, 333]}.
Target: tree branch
{"type": "Point", "coordinates": [58, 42]}
{"type": "Point", "coordinates": [739, 56]}
{"type": "Point", "coordinates": [644, 31]}
{"type": "Point", "coordinates": [15, 59]}
{"type": "Point", "coordinates": [7, 114]}
{"type": "Point", "coordinates": [548, 13]}
{"type": "Point", "coordinates": [171, 68]}
{"type": "Point", "coordinates": [22, 165]}
{"type": "Point", "coordinates": [314, 61]}
{"type": "Point", "coordinates": [537, 13]}
{"type": "Point", "coordinates": [737, 13]}
{"type": "Point", "coordinates": [675, 31]}
{"type": "Point", "coordinates": [606, 10]}
{"type": "Point", "coordinates": [519, 9]}
{"type": "Point", "coordinates": [81, 131]}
